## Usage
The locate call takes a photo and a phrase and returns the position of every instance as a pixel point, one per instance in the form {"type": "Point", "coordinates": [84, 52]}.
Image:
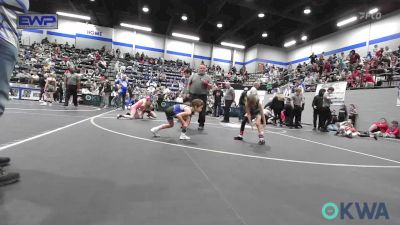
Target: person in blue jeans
{"type": "Point", "coordinates": [9, 39]}
{"type": "Point", "coordinates": [123, 83]}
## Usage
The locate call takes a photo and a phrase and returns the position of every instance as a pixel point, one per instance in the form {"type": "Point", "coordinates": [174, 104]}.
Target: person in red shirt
{"type": "Point", "coordinates": [393, 131]}
{"type": "Point", "coordinates": [354, 59]}
{"type": "Point", "coordinates": [355, 78]}
{"type": "Point", "coordinates": [327, 67]}
{"type": "Point", "coordinates": [368, 79]}
{"type": "Point", "coordinates": [380, 126]}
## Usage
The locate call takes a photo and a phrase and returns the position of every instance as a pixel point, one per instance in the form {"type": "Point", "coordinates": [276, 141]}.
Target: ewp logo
{"type": "Point", "coordinates": [37, 21]}
{"type": "Point", "coordinates": [355, 210]}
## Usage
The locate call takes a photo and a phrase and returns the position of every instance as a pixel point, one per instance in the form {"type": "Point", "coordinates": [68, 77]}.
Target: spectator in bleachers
{"type": "Point", "coordinates": [313, 58]}
{"type": "Point", "coordinates": [354, 59]}
{"type": "Point", "coordinates": [199, 85]}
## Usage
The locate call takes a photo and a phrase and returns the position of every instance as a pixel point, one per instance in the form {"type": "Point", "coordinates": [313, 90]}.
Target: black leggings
{"type": "Point", "coordinates": [243, 125]}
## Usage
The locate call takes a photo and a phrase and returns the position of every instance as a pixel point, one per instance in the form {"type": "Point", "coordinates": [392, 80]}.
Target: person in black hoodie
{"type": "Point", "coordinates": [317, 106]}
{"type": "Point", "coordinates": [277, 106]}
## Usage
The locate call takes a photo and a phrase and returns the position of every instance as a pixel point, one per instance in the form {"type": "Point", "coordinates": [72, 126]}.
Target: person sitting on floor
{"type": "Point", "coordinates": [347, 129]}
{"type": "Point", "coordinates": [393, 131]}
{"type": "Point", "coordinates": [379, 126]}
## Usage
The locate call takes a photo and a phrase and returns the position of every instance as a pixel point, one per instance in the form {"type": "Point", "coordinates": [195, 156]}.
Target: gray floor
{"type": "Point", "coordinates": [96, 170]}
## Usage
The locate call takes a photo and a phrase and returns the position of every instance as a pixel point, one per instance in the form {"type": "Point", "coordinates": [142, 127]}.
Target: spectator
{"type": "Point", "coordinates": [229, 99]}
{"type": "Point", "coordinates": [123, 89]}
{"type": "Point", "coordinates": [354, 59]}
{"type": "Point", "coordinates": [326, 112]}
{"type": "Point", "coordinates": [9, 41]}
{"type": "Point", "coordinates": [218, 94]}
{"type": "Point", "coordinates": [353, 114]}
{"type": "Point", "coordinates": [298, 107]}
{"type": "Point", "coordinates": [105, 92]}
{"type": "Point", "coordinates": [199, 84]}
{"type": "Point", "coordinates": [242, 103]}
{"type": "Point", "coordinates": [378, 127]}
{"type": "Point", "coordinates": [277, 105]}
{"type": "Point", "coordinates": [317, 109]}
{"type": "Point", "coordinates": [393, 131]}
{"type": "Point", "coordinates": [288, 112]}
{"type": "Point", "coordinates": [368, 79]}
{"type": "Point", "coordinates": [313, 58]}
{"type": "Point", "coordinates": [42, 84]}
{"type": "Point", "coordinates": [72, 81]}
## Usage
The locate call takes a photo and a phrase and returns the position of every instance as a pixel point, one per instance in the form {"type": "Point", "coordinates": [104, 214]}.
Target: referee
{"type": "Point", "coordinates": [199, 84]}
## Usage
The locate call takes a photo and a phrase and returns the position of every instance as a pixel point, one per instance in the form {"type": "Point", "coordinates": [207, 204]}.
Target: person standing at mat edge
{"type": "Point", "coordinates": [72, 81]}
{"type": "Point", "coordinates": [9, 40]}
{"type": "Point", "coordinates": [229, 99]}
{"type": "Point", "coordinates": [326, 113]}
{"type": "Point", "coordinates": [199, 85]}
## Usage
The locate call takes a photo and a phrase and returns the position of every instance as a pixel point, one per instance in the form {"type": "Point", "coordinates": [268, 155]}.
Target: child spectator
{"type": "Point", "coordinates": [353, 114]}
{"type": "Point", "coordinates": [393, 131]}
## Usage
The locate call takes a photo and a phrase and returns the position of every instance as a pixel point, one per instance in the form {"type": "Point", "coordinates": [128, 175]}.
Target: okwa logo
{"type": "Point", "coordinates": [355, 210]}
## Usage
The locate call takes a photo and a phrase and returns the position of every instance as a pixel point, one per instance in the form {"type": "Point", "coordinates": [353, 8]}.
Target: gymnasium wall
{"type": "Point", "coordinates": [250, 58]}
{"type": "Point", "coordinates": [362, 38]}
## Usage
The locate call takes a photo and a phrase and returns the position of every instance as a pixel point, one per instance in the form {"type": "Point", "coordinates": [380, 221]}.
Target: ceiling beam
{"type": "Point", "coordinates": [285, 14]}
{"type": "Point", "coordinates": [328, 18]}
{"type": "Point", "coordinates": [109, 12]}
{"type": "Point", "coordinates": [236, 28]}
{"type": "Point", "coordinates": [212, 10]}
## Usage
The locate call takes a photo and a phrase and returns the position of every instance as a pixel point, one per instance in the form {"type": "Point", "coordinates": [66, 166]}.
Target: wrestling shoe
{"type": "Point", "coordinates": [8, 178]}
{"type": "Point", "coordinates": [261, 142]}
{"type": "Point", "coordinates": [119, 116]}
{"type": "Point", "coordinates": [4, 161]}
{"type": "Point", "coordinates": [154, 131]}
{"type": "Point", "coordinates": [239, 138]}
{"type": "Point", "coordinates": [184, 137]}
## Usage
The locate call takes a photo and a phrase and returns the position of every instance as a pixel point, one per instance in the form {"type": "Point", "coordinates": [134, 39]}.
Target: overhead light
{"type": "Point", "coordinates": [264, 34]}
{"type": "Point", "coordinates": [307, 10]}
{"type": "Point", "coordinates": [219, 25]}
{"type": "Point", "coordinates": [92, 0]}
{"type": "Point", "coordinates": [145, 9]}
{"type": "Point", "coordinates": [289, 43]}
{"type": "Point", "coordinates": [261, 15]}
{"type": "Point", "coordinates": [346, 21]}
{"type": "Point", "coordinates": [304, 37]}
{"type": "Point", "coordinates": [184, 17]}
{"type": "Point", "coordinates": [136, 27]}
{"type": "Point", "coordinates": [73, 15]}
{"type": "Point", "coordinates": [374, 10]}
{"type": "Point", "coordinates": [186, 36]}
{"type": "Point", "coordinates": [232, 45]}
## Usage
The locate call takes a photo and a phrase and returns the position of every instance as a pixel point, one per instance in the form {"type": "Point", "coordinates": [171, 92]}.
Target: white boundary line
{"type": "Point", "coordinates": [57, 110]}
{"type": "Point", "coordinates": [218, 125]}
{"type": "Point", "coordinates": [336, 147]}
{"type": "Point", "coordinates": [2, 148]}
{"type": "Point", "coordinates": [239, 154]}
{"type": "Point", "coordinates": [48, 114]}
